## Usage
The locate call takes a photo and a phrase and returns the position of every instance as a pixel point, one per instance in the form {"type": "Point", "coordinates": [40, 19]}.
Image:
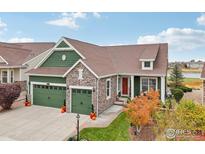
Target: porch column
{"type": "Point", "coordinates": [8, 76]}
{"type": "Point", "coordinates": [163, 86]}
{"type": "Point", "coordinates": [132, 86]}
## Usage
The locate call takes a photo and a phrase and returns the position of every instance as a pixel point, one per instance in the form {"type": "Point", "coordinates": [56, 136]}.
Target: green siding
{"type": "Point", "coordinates": [47, 79]}
{"type": "Point", "coordinates": [136, 85]}
{"type": "Point", "coordinates": [62, 45]}
{"type": "Point", "coordinates": [55, 59]}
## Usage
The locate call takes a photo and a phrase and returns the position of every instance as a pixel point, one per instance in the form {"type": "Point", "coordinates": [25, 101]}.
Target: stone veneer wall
{"type": "Point", "coordinates": [88, 80]}
{"type": "Point", "coordinates": [103, 103]}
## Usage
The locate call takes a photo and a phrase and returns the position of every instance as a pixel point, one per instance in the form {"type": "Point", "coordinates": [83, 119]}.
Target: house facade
{"type": "Point", "coordinates": [85, 76]}
{"type": "Point", "coordinates": [18, 58]}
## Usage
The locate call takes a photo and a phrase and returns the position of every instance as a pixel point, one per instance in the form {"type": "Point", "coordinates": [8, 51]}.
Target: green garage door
{"type": "Point", "coordinates": [81, 101]}
{"type": "Point", "coordinates": [51, 96]}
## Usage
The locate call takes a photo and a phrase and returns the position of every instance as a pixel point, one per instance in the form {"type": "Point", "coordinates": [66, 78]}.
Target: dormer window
{"type": "Point", "coordinates": [147, 65]}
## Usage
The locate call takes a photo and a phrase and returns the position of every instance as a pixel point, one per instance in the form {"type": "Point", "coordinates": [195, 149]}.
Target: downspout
{"type": "Point", "coordinates": [97, 94]}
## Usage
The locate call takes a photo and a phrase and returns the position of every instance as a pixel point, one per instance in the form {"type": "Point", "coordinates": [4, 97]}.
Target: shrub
{"type": "Point", "coordinates": [141, 108]}
{"type": "Point", "coordinates": [185, 89]}
{"type": "Point", "coordinates": [190, 116]}
{"type": "Point", "coordinates": [178, 94]}
{"type": "Point", "coordinates": [9, 93]}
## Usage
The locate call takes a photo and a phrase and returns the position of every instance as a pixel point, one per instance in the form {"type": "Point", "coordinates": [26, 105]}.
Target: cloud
{"type": "Point", "coordinates": [3, 26]}
{"type": "Point", "coordinates": [179, 39]}
{"type": "Point", "coordinates": [19, 40]}
{"type": "Point", "coordinates": [201, 19]}
{"type": "Point", "coordinates": [68, 20]}
{"type": "Point", "coordinates": [96, 15]}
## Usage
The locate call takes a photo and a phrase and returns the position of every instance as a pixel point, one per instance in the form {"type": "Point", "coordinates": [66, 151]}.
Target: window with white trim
{"type": "Point", "coordinates": [148, 84]}
{"type": "Point", "coordinates": [12, 76]}
{"type": "Point", "coordinates": [147, 65]}
{"type": "Point", "coordinates": [4, 77]}
{"type": "Point", "coordinates": [108, 88]}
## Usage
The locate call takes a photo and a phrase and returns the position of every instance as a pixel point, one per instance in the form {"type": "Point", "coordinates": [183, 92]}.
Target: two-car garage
{"type": "Point", "coordinates": [54, 95]}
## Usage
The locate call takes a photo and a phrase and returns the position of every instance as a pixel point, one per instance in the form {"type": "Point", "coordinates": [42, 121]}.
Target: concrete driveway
{"type": "Point", "coordinates": [38, 123]}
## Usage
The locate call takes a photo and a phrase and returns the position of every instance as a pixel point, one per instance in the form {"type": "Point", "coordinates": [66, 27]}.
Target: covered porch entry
{"type": "Point", "coordinates": [132, 85]}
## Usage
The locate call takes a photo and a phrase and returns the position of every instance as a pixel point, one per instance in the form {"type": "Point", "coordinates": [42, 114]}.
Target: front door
{"type": "Point", "coordinates": [124, 86]}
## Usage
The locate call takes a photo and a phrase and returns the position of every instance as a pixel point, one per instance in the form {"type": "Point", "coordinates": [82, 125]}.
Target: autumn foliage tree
{"type": "Point", "coordinates": [9, 93]}
{"type": "Point", "coordinates": [141, 108]}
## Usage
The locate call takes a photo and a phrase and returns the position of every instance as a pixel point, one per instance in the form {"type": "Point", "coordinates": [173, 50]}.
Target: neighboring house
{"type": "Point", "coordinates": [203, 84]}
{"type": "Point", "coordinates": [85, 75]}
{"type": "Point", "coordinates": [195, 64]}
{"type": "Point", "coordinates": [18, 58]}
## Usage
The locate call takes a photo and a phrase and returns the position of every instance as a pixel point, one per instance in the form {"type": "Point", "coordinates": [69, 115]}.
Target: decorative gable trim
{"type": "Point", "coordinates": [70, 45]}
{"type": "Point", "coordinates": [80, 61]}
{"type": "Point", "coordinates": [3, 60]}
{"type": "Point", "coordinates": [63, 44]}
{"type": "Point", "coordinates": [55, 48]}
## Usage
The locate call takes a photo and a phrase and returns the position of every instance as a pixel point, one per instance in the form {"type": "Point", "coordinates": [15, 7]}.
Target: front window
{"type": "Point", "coordinates": [108, 88]}
{"type": "Point", "coordinates": [148, 84]}
{"type": "Point", "coordinates": [12, 76]}
{"type": "Point", "coordinates": [145, 86]}
{"type": "Point", "coordinates": [4, 75]}
{"type": "Point", "coordinates": [152, 84]}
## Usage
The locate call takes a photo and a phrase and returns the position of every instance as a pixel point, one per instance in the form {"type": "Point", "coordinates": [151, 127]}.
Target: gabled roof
{"type": "Point", "coordinates": [107, 60]}
{"type": "Point", "coordinates": [123, 59]}
{"type": "Point", "coordinates": [203, 72]}
{"type": "Point", "coordinates": [150, 52]}
{"type": "Point", "coordinates": [18, 53]}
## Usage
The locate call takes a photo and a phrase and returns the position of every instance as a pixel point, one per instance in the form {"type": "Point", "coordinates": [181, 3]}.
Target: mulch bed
{"type": "Point", "coordinates": [146, 134]}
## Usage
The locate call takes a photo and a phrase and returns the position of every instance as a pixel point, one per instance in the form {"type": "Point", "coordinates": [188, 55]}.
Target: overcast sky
{"type": "Point", "coordinates": [185, 32]}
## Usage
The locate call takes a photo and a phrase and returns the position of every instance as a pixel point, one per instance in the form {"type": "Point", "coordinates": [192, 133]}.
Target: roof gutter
{"type": "Point", "coordinates": [47, 75]}
{"type": "Point", "coordinates": [13, 66]}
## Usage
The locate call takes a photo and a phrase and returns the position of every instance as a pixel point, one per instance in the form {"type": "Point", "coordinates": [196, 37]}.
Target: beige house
{"type": "Point", "coordinates": [18, 58]}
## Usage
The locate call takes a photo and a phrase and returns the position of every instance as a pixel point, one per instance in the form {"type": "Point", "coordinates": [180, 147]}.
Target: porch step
{"type": "Point", "coordinates": [121, 101]}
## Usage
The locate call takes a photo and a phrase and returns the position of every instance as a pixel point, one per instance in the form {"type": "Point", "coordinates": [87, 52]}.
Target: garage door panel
{"type": "Point", "coordinates": [81, 101]}
{"type": "Point", "coordinates": [51, 96]}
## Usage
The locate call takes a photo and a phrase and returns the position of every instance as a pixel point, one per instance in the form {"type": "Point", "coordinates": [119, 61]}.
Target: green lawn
{"type": "Point", "coordinates": [191, 80]}
{"type": "Point", "coordinates": [116, 131]}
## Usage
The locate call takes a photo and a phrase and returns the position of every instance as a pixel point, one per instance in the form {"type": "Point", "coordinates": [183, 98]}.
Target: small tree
{"type": "Point", "coordinates": [9, 93]}
{"type": "Point", "coordinates": [140, 109]}
{"type": "Point", "coordinates": [176, 76]}
{"type": "Point", "coordinates": [178, 94]}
